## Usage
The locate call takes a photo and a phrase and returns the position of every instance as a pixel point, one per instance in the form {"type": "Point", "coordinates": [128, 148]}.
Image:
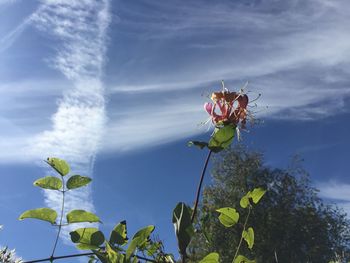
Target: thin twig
{"type": "Point", "coordinates": [60, 224]}
{"type": "Point", "coordinates": [60, 257]}
{"type": "Point", "coordinates": [200, 186]}
{"type": "Point", "coordinates": [81, 255]}
{"type": "Point", "coordinates": [244, 226]}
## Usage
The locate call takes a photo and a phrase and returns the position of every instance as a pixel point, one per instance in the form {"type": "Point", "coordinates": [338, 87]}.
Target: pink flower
{"type": "Point", "coordinates": [228, 108]}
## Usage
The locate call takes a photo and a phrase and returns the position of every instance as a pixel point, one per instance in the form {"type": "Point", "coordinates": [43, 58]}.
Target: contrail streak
{"type": "Point", "coordinates": [79, 28]}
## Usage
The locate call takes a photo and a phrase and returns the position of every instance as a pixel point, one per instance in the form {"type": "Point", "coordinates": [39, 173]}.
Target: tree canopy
{"type": "Point", "coordinates": [292, 224]}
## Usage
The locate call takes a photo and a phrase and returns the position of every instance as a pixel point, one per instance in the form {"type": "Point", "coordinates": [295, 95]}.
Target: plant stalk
{"type": "Point", "coordinates": [244, 227]}
{"type": "Point", "coordinates": [81, 255]}
{"type": "Point", "coordinates": [61, 218]}
{"type": "Point", "coordinates": [200, 186]}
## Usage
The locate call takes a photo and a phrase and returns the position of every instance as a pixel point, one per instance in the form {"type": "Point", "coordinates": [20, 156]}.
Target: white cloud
{"type": "Point", "coordinates": [295, 53]}
{"type": "Point", "coordinates": [79, 28]}
{"type": "Point", "coordinates": [151, 125]}
{"type": "Point", "coordinates": [336, 192]}
{"type": "Point", "coordinates": [7, 40]}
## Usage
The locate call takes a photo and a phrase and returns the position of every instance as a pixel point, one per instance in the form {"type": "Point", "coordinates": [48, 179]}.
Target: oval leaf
{"type": "Point", "coordinates": [77, 181]}
{"type": "Point", "coordinates": [183, 227]}
{"type": "Point", "coordinates": [59, 165]}
{"type": "Point", "coordinates": [87, 236]}
{"type": "Point", "coordinates": [139, 240]}
{"type": "Point", "coordinates": [131, 248]}
{"type": "Point", "coordinates": [245, 200]}
{"type": "Point", "coordinates": [144, 233]}
{"type": "Point", "coordinates": [78, 216]}
{"type": "Point", "coordinates": [45, 214]}
{"type": "Point", "coordinates": [111, 253]}
{"type": "Point", "coordinates": [211, 258]}
{"type": "Point", "coordinates": [243, 259]}
{"type": "Point", "coordinates": [228, 216]}
{"type": "Point", "coordinates": [257, 194]}
{"type": "Point", "coordinates": [118, 234]}
{"type": "Point", "coordinates": [49, 182]}
{"type": "Point", "coordinates": [153, 248]}
{"type": "Point", "coordinates": [248, 236]}
{"type": "Point", "coordinates": [199, 144]}
{"type": "Point", "coordinates": [222, 137]}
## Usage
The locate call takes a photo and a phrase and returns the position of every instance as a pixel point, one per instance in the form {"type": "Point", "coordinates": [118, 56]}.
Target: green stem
{"type": "Point", "coordinates": [81, 255]}
{"type": "Point", "coordinates": [52, 258]}
{"type": "Point", "coordinates": [199, 187]}
{"type": "Point", "coordinates": [244, 227]}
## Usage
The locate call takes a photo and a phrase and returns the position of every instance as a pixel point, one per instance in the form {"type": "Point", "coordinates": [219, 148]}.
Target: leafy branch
{"type": "Point", "coordinates": [118, 248]}
{"type": "Point", "coordinates": [61, 218]}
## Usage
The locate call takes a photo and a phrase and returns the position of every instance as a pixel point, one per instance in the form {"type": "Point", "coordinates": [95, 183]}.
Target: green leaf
{"type": "Point", "coordinates": [119, 234]}
{"type": "Point", "coordinates": [59, 165]}
{"type": "Point", "coordinates": [143, 236]}
{"type": "Point", "coordinates": [211, 258]}
{"type": "Point", "coordinates": [153, 248]}
{"type": "Point", "coordinates": [228, 216]}
{"type": "Point", "coordinates": [254, 195]}
{"type": "Point", "coordinates": [112, 255]}
{"type": "Point", "coordinates": [120, 258]}
{"type": "Point", "coordinates": [87, 247]}
{"type": "Point", "coordinates": [248, 236]}
{"type": "Point", "coordinates": [87, 236]}
{"type": "Point", "coordinates": [134, 260]}
{"type": "Point", "coordinates": [183, 227]}
{"type": "Point", "coordinates": [199, 144]}
{"type": "Point", "coordinates": [257, 194]}
{"type": "Point", "coordinates": [222, 137]}
{"type": "Point", "coordinates": [244, 203]}
{"type": "Point", "coordinates": [243, 259]}
{"type": "Point", "coordinates": [78, 216]}
{"type": "Point", "coordinates": [131, 248]}
{"type": "Point", "coordinates": [139, 240]}
{"type": "Point", "coordinates": [49, 182]}
{"type": "Point", "coordinates": [45, 214]}
{"type": "Point", "coordinates": [216, 149]}
{"type": "Point", "coordinates": [144, 233]}
{"type": "Point", "coordinates": [77, 181]}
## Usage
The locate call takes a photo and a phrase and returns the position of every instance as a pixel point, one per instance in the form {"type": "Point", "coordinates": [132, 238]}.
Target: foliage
{"type": "Point", "coordinates": [221, 139]}
{"type": "Point", "coordinates": [228, 216]}
{"type": "Point", "coordinates": [292, 223]}
{"type": "Point", "coordinates": [183, 226]}
{"type": "Point", "coordinates": [233, 114]}
{"type": "Point", "coordinates": [112, 250]}
{"type": "Point", "coordinates": [243, 216]}
{"type": "Point", "coordinates": [58, 184]}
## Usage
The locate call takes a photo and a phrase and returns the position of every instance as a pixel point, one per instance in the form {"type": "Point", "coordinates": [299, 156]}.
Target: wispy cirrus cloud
{"type": "Point", "coordinates": [7, 40]}
{"type": "Point", "coordinates": [166, 55]}
{"type": "Point", "coordinates": [295, 53]}
{"type": "Point", "coordinates": [79, 28]}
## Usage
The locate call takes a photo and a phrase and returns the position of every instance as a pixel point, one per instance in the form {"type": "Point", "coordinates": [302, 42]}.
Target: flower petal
{"type": "Point", "coordinates": [209, 108]}
{"type": "Point", "coordinates": [243, 101]}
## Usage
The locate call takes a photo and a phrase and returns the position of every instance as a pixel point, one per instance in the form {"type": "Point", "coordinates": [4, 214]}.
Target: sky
{"type": "Point", "coordinates": [117, 89]}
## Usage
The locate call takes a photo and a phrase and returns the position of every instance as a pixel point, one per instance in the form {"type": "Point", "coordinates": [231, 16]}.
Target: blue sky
{"type": "Point", "coordinates": [117, 87]}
